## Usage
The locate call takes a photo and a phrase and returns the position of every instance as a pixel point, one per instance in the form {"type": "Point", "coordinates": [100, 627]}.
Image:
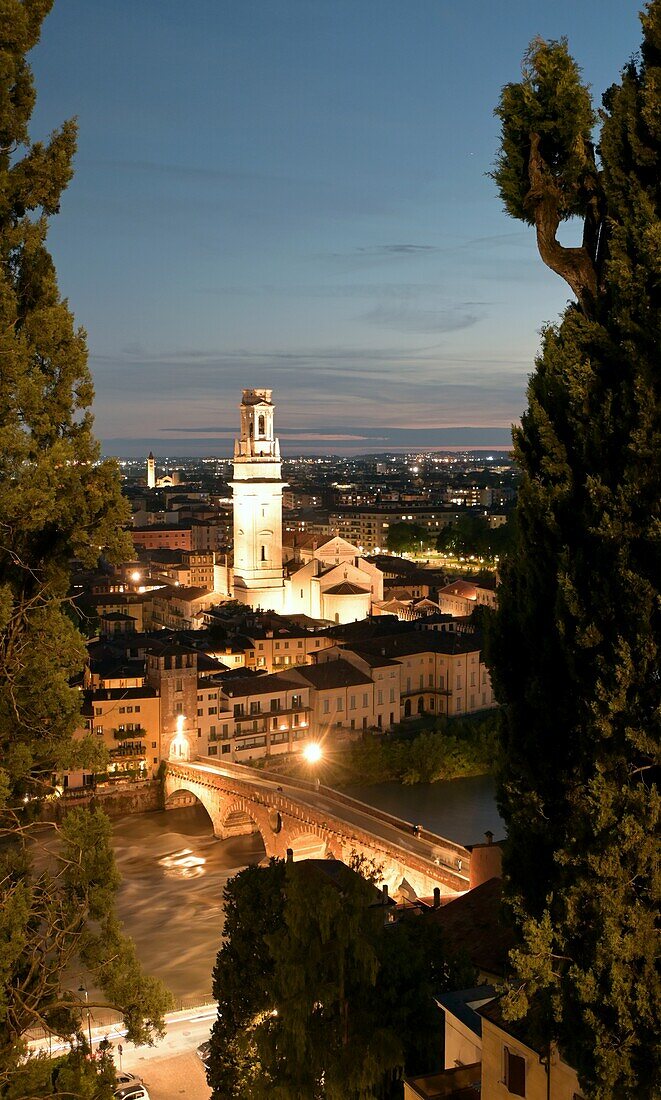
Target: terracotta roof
{"type": "Point", "coordinates": [428, 641]}
{"type": "Point", "coordinates": [474, 924]}
{"type": "Point", "coordinates": [101, 694]}
{"type": "Point", "coordinates": [374, 660]}
{"type": "Point", "coordinates": [333, 674]}
{"type": "Point", "coordinates": [346, 588]}
{"type": "Point", "coordinates": [259, 685]}
{"type": "Point", "coordinates": [182, 593]}
{"type": "Point", "coordinates": [459, 587]}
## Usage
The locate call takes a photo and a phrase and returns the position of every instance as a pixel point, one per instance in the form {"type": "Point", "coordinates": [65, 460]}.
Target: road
{"type": "Point", "coordinates": [324, 800]}
{"type": "Point", "coordinates": [171, 1068]}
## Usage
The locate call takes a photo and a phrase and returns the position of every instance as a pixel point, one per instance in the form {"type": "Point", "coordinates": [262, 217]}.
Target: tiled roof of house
{"type": "Point", "coordinates": [333, 674]}
{"type": "Point", "coordinates": [473, 924]}
{"type": "Point", "coordinates": [259, 685]}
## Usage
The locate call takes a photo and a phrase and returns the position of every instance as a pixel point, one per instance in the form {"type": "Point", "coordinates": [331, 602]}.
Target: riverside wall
{"type": "Point", "coordinates": [116, 800]}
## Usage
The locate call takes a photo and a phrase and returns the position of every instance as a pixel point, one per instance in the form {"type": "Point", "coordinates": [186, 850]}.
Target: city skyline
{"type": "Point", "coordinates": [298, 196]}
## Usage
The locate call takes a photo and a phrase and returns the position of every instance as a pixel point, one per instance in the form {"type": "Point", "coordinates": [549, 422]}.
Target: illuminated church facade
{"type": "Point", "coordinates": [330, 581]}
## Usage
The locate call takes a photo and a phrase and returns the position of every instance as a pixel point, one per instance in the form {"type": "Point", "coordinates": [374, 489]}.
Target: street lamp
{"type": "Point", "coordinates": [312, 753]}
{"type": "Point", "coordinates": [82, 989]}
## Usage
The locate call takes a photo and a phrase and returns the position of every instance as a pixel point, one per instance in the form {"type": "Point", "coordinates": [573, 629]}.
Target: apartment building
{"type": "Point", "coordinates": [283, 647]}
{"type": "Point", "coordinates": [341, 696]}
{"type": "Point", "coordinates": [460, 596]}
{"type": "Point", "coordinates": [127, 721]}
{"type": "Point", "coordinates": [385, 675]}
{"type": "Point", "coordinates": [257, 716]}
{"type": "Point", "coordinates": [441, 673]}
{"type": "Point", "coordinates": [368, 528]}
{"type": "Point", "coordinates": [170, 537]}
{"type": "Point", "coordinates": [177, 608]}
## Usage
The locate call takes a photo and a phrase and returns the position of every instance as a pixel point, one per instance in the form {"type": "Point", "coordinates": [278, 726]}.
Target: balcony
{"type": "Point", "coordinates": [130, 751]}
{"type": "Point", "coordinates": [425, 691]}
{"type": "Point", "coordinates": [129, 735]}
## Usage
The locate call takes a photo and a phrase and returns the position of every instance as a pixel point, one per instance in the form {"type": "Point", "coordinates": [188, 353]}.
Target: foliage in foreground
{"type": "Point", "coordinates": [318, 995]}
{"type": "Point", "coordinates": [57, 501]}
{"type": "Point", "coordinates": [576, 645]}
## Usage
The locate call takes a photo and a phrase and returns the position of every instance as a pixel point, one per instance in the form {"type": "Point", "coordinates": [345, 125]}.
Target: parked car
{"type": "Point", "coordinates": [134, 1091]}
{"type": "Point", "coordinates": [203, 1052]}
{"type": "Point", "coordinates": [126, 1078]}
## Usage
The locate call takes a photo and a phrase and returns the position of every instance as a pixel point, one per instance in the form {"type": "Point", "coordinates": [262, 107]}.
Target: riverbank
{"type": "Point", "coordinates": [427, 750]}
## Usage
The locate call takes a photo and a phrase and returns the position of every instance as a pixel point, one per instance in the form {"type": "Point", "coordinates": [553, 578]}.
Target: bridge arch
{"type": "Point", "coordinates": [312, 842]}
{"type": "Point", "coordinates": [178, 794]}
{"type": "Point", "coordinates": [238, 817]}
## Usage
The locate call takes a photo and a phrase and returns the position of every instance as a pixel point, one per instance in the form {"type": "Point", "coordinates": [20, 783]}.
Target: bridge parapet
{"type": "Point", "coordinates": [337, 824]}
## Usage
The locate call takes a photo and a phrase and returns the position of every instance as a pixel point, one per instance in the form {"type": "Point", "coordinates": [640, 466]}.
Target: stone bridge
{"type": "Point", "coordinates": [317, 822]}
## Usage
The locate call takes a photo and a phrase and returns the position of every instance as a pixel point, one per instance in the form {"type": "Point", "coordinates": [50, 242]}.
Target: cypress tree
{"type": "Point", "coordinates": [58, 501]}
{"type": "Point", "coordinates": [575, 645]}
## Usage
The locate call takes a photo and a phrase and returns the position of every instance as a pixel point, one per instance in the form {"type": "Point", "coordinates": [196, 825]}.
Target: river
{"type": "Point", "coordinates": [174, 871]}
{"type": "Point", "coordinates": [458, 809]}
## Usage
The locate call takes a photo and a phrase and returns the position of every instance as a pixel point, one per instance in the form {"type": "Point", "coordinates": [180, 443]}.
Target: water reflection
{"type": "Point", "coordinates": [171, 897]}
{"type": "Point", "coordinates": [183, 864]}
{"type": "Point", "coordinates": [458, 809]}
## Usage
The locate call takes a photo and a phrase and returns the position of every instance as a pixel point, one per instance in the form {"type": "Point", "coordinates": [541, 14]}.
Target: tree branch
{"type": "Point", "coordinates": [574, 265]}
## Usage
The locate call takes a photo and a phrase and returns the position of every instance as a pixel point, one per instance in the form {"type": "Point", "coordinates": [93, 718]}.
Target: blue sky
{"type": "Point", "coordinates": [293, 193]}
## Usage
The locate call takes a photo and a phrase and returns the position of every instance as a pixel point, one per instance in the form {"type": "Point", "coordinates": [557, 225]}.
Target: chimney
{"type": "Point", "coordinates": [489, 836]}
{"type": "Point", "coordinates": [290, 855]}
{"type": "Point", "coordinates": [384, 894]}
{"type": "Point", "coordinates": [437, 897]}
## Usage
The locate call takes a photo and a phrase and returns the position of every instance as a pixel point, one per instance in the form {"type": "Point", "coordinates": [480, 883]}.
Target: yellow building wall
{"type": "Point", "coordinates": [111, 714]}
{"type": "Point", "coordinates": [563, 1080]}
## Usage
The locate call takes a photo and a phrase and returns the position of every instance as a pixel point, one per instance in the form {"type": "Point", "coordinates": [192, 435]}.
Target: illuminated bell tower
{"type": "Point", "coordinates": [257, 491]}
{"type": "Point", "coordinates": [151, 471]}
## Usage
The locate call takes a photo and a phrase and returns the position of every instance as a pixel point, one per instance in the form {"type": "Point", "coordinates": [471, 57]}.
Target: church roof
{"type": "Point", "coordinates": [346, 588]}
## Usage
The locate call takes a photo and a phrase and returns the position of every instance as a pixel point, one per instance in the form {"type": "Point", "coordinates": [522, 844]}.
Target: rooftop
{"type": "Point", "coordinates": [259, 685]}
{"type": "Point", "coordinates": [346, 588]}
{"type": "Point", "coordinates": [473, 925]}
{"type": "Point", "coordinates": [333, 674]}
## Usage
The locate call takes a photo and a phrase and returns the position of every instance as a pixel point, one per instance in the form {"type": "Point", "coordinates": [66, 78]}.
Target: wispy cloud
{"type": "Point", "coordinates": [397, 249]}
{"type": "Point", "coordinates": [402, 318]}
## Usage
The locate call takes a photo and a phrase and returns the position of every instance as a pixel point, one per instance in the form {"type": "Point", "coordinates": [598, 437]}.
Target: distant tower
{"type": "Point", "coordinates": [257, 490]}
{"type": "Point", "coordinates": [151, 471]}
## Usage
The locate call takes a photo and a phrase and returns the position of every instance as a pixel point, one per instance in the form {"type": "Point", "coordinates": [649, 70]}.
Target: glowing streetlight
{"type": "Point", "coordinates": [83, 989]}
{"type": "Point", "coordinates": [313, 752]}
{"type": "Point", "coordinates": [135, 576]}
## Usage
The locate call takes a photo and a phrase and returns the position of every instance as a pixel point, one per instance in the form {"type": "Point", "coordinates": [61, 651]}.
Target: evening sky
{"type": "Point", "coordinates": [294, 194]}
